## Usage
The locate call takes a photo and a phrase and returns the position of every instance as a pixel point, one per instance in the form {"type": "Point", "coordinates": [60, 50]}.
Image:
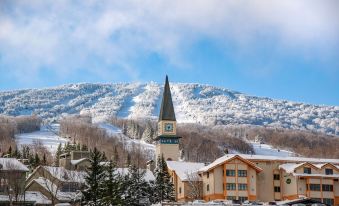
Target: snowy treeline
{"type": "Point", "coordinates": [82, 131]}
{"type": "Point", "coordinates": [194, 103]}
{"type": "Point", "coordinates": [9, 126]}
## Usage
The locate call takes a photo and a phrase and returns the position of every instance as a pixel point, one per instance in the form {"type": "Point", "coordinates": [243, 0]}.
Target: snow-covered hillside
{"type": "Point", "coordinates": [193, 103]}
{"type": "Point", "coordinates": [47, 136]}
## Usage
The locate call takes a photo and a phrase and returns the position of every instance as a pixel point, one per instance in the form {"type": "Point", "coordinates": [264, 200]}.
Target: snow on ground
{"type": "Point", "coordinates": [129, 143]}
{"type": "Point", "coordinates": [48, 136]}
{"type": "Point", "coordinates": [265, 149]}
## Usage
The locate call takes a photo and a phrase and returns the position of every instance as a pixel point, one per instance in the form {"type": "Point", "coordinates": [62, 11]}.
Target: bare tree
{"type": "Point", "coordinates": [15, 182]}
{"type": "Point", "coordinates": [195, 185]}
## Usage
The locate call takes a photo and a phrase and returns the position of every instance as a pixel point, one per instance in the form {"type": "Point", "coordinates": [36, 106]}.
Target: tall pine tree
{"type": "Point", "coordinates": [137, 189]}
{"type": "Point", "coordinates": [94, 179]}
{"type": "Point", "coordinates": [163, 187]}
{"type": "Point", "coordinates": [112, 186]}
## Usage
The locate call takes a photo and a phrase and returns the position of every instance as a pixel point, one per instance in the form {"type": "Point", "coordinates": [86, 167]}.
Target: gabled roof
{"type": "Point", "coordinates": [65, 175]}
{"type": "Point", "coordinates": [52, 188]}
{"type": "Point", "coordinates": [167, 109]}
{"type": "Point", "coordinates": [321, 166]}
{"type": "Point", "coordinates": [12, 164]}
{"type": "Point", "coordinates": [184, 169]}
{"type": "Point", "coordinates": [227, 158]}
{"type": "Point", "coordinates": [290, 167]}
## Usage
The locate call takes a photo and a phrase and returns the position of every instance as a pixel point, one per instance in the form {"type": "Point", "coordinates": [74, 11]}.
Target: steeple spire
{"type": "Point", "coordinates": [167, 109]}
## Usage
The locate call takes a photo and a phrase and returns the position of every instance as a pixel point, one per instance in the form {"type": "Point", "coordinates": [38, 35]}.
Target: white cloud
{"type": "Point", "coordinates": [69, 35]}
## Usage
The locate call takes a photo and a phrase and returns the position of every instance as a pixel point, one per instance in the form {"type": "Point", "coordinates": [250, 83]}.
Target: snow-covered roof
{"type": "Point", "coordinates": [290, 167]}
{"type": "Point", "coordinates": [315, 175]}
{"type": "Point", "coordinates": [75, 162]}
{"type": "Point", "coordinates": [51, 187]}
{"type": "Point", "coordinates": [183, 169]}
{"type": "Point", "coordinates": [37, 197]}
{"type": "Point", "coordinates": [226, 158]}
{"type": "Point", "coordinates": [66, 175]}
{"type": "Point", "coordinates": [30, 196]}
{"type": "Point", "coordinates": [270, 158]}
{"type": "Point", "coordinates": [148, 174]}
{"type": "Point", "coordinates": [12, 164]}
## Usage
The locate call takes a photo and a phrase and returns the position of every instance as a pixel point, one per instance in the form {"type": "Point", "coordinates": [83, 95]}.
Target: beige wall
{"type": "Point", "coordinates": [168, 150]}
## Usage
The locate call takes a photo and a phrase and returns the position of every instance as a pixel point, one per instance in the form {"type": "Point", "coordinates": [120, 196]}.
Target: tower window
{"type": "Point", "coordinates": [208, 187]}
{"type": "Point", "coordinates": [208, 175]}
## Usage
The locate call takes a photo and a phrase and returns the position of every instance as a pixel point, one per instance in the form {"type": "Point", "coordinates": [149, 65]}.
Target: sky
{"type": "Point", "coordinates": [286, 49]}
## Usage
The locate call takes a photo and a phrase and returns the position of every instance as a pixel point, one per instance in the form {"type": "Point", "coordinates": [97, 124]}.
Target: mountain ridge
{"type": "Point", "coordinates": [193, 102]}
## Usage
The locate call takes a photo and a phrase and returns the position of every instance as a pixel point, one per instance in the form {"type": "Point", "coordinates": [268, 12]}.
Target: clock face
{"type": "Point", "coordinates": [169, 127]}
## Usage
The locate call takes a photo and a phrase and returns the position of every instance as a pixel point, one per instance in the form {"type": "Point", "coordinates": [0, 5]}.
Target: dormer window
{"type": "Point", "coordinates": [328, 171]}
{"type": "Point", "coordinates": [307, 170]}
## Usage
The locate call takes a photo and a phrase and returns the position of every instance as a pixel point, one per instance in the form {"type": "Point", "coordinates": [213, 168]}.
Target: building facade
{"type": "Point", "coordinates": [268, 178]}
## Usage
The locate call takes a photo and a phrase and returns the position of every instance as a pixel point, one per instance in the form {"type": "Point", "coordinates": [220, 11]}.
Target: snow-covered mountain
{"type": "Point", "coordinates": [193, 103]}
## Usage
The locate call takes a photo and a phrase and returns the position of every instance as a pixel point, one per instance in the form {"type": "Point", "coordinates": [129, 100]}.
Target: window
{"type": "Point", "coordinates": [231, 198]}
{"type": "Point", "coordinates": [208, 174]}
{"type": "Point", "coordinates": [327, 188]}
{"type": "Point", "coordinates": [230, 186]}
{"type": "Point", "coordinates": [242, 173]}
{"type": "Point", "coordinates": [276, 189]}
{"type": "Point", "coordinates": [230, 173]}
{"type": "Point", "coordinates": [328, 201]}
{"type": "Point", "coordinates": [208, 188]}
{"type": "Point", "coordinates": [315, 187]}
{"type": "Point", "coordinates": [307, 170]}
{"type": "Point", "coordinates": [328, 171]}
{"type": "Point", "coordinates": [179, 190]}
{"type": "Point", "coordinates": [276, 177]}
{"type": "Point", "coordinates": [242, 186]}
{"type": "Point", "coordinates": [242, 199]}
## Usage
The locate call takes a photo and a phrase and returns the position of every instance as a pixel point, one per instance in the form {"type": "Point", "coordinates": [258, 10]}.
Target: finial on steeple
{"type": "Point", "coordinates": [167, 109]}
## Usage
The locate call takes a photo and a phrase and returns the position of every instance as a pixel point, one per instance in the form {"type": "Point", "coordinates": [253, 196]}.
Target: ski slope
{"type": "Point", "coordinates": [47, 136]}
{"type": "Point", "coordinates": [268, 150]}
{"type": "Point", "coordinates": [129, 143]}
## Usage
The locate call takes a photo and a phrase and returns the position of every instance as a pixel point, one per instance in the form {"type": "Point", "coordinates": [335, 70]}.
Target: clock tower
{"type": "Point", "coordinates": [167, 140]}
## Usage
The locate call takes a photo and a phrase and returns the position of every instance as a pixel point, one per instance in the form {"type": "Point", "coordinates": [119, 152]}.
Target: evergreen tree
{"type": "Point", "coordinates": [116, 155]}
{"type": "Point", "coordinates": [44, 160]}
{"type": "Point", "coordinates": [95, 176]}
{"type": "Point", "coordinates": [78, 148]}
{"type": "Point", "coordinates": [128, 160]}
{"type": "Point", "coordinates": [9, 152]}
{"type": "Point", "coordinates": [148, 133]}
{"type": "Point", "coordinates": [57, 155]}
{"type": "Point", "coordinates": [136, 188]}
{"type": "Point", "coordinates": [36, 160]}
{"type": "Point", "coordinates": [112, 186]}
{"type": "Point", "coordinates": [84, 147]}
{"type": "Point", "coordinates": [163, 188]}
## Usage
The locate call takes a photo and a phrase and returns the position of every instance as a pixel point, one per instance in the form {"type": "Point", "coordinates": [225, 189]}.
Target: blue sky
{"type": "Point", "coordinates": [280, 49]}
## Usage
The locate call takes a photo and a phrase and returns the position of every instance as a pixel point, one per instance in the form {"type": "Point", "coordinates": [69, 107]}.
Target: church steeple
{"type": "Point", "coordinates": [167, 109]}
{"type": "Point", "coordinates": [167, 140]}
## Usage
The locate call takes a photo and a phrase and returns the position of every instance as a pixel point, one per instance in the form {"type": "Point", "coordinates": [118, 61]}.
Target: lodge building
{"type": "Point", "coordinates": [245, 177]}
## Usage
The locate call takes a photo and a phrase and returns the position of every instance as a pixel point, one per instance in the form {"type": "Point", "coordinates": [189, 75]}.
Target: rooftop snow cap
{"type": "Point", "coordinates": [167, 110]}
